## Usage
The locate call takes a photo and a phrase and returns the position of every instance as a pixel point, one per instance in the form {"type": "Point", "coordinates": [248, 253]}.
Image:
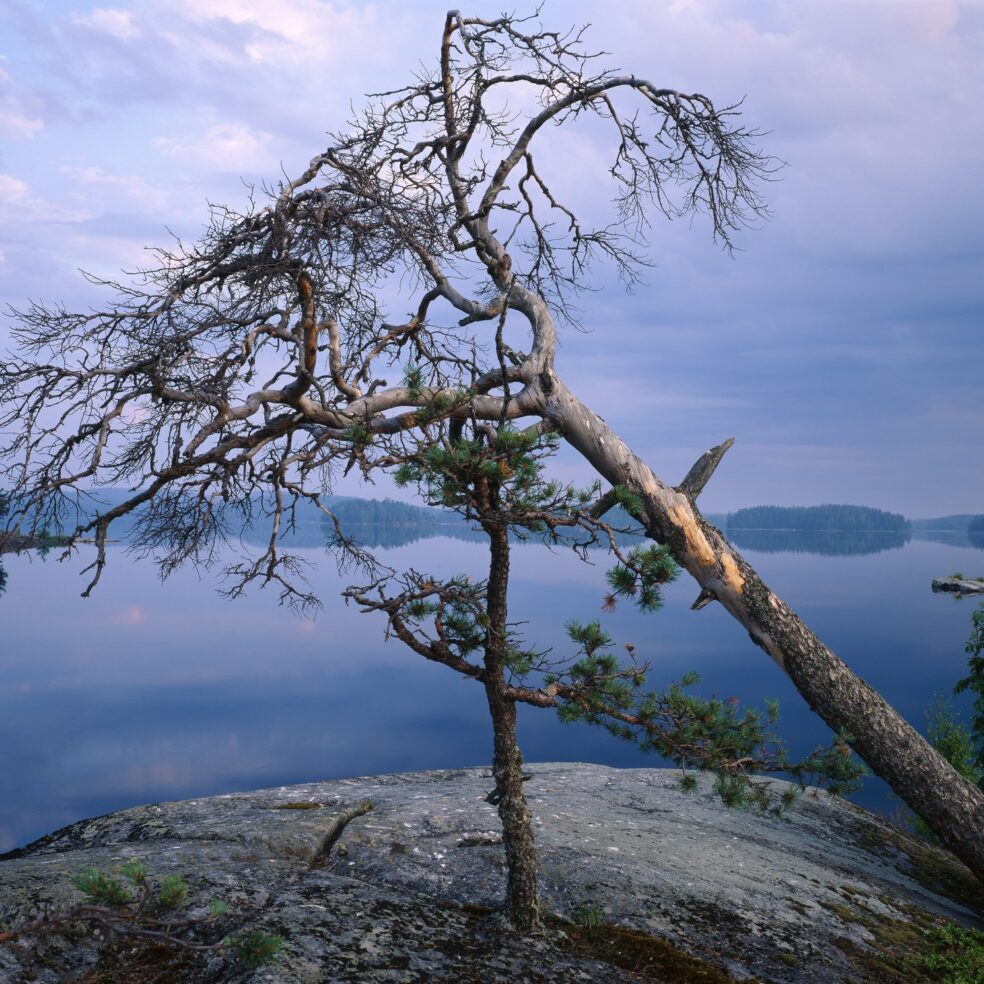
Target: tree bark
{"type": "Point", "coordinates": [522, 908]}
{"type": "Point", "coordinates": [951, 806]}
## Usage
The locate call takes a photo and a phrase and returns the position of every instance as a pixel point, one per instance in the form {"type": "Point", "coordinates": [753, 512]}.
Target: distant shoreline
{"type": "Point", "coordinates": [13, 542]}
{"type": "Point", "coordinates": [792, 529]}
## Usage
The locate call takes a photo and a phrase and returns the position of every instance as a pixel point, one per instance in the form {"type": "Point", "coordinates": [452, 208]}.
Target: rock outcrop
{"type": "Point", "coordinates": [958, 585]}
{"type": "Point", "coordinates": [825, 892]}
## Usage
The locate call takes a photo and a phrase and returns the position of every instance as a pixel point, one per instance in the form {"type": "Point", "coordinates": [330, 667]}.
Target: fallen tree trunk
{"type": "Point", "coordinates": [951, 806]}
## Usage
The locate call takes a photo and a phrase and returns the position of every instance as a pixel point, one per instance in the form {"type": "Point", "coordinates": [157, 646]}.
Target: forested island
{"type": "Point", "coordinates": [832, 530]}
{"type": "Point", "coordinates": [826, 518]}
{"type": "Point", "coordinates": [387, 523]}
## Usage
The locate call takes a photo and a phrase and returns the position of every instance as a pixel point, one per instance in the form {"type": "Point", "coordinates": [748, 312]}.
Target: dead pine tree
{"type": "Point", "coordinates": [237, 376]}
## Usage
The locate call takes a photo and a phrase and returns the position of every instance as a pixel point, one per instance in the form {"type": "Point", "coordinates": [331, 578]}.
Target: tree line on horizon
{"type": "Point", "coordinates": [825, 518]}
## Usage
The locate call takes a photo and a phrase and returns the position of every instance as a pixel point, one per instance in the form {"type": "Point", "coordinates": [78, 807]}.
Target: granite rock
{"type": "Point", "coordinates": [400, 894]}
{"type": "Point", "coordinates": [958, 585]}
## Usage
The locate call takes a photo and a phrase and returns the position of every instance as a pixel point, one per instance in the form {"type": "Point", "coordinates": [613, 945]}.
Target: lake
{"type": "Point", "coordinates": [153, 691]}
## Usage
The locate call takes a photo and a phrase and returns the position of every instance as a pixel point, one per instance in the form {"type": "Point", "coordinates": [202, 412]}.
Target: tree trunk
{"type": "Point", "coordinates": [522, 908]}
{"type": "Point", "coordinates": [951, 806]}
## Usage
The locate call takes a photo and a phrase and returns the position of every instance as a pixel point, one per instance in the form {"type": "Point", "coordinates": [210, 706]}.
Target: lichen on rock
{"type": "Point", "coordinates": [825, 892]}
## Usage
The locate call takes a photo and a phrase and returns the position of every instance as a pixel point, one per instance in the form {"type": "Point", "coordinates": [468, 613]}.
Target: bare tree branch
{"type": "Point", "coordinates": [201, 383]}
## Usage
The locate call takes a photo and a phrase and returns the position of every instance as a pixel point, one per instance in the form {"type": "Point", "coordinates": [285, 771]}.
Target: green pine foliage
{"type": "Point", "coordinates": [961, 746]}
{"type": "Point", "coordinates": [952, 739]}
{"type": "Point", "coordinates": [629, 501]}
{"type": "Point", "coordinates": [458, 603]}
{"type": "Point", "coordinates": [834, 767]}
{"type": "Point", "coordinates": [494, 476]}
{"type": "Point", "coordinates": [640, 576]}
{"type": "Point", "coordinates": [693, 731]}
{"type": "Point", "coordinates": [130, 901]}
{"type": "Point", "coordinates": [956, 955]}
{"type": "Point", "coordinates": [974, 683]}
{"type": "Point", "coordinates": [105, 890]}
{"type": "Point", "coordinates": [172, 892]}
{"type": "Point", "coordinates": [255, 949]}
{"type": "Point", "coordinates": [413, 379]}
{"type": "Point", "coordinates": [448, 474]}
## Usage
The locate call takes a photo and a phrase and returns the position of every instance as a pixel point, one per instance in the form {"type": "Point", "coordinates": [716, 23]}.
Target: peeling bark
{"type": "Point", "coordinates": [894, 750]}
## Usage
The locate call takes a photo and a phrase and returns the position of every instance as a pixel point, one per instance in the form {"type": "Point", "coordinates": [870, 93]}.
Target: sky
{"type": "Point", "coordinates": [841, 345]}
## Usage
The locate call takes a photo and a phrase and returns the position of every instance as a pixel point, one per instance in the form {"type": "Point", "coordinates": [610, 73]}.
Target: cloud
{"type": "Point", "coordinates": [13, 191]}
{"type": "Point", "coordinates": [306, 30]}
{"type": "Point", "coordinates": [877, 215]}
{"type": "Point", "coordinates": [119, 24]}
{"type": "Point", "coordinates": [17, 122]}
{"type": "Point", "coordinates": [274, 65]}
{"type": "Point", "coordinates": [24, 211]}
{"type": "Point", "coordinates": [131, 188]}
{"type": "Point", "coordinates": [223, 147]}
{"type": "Point", "coordinates": [134, 615]}
{"type": "Point", "coordinates": [102, 222]}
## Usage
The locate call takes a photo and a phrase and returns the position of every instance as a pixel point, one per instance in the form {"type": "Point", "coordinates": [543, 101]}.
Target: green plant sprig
{"type": "Point", "coordinates": [705, 733]}
{"type": "Point", "coordinates": [131, 904]}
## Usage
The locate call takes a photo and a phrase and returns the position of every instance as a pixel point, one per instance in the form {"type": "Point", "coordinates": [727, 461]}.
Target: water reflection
{"type": "Point", "coordinates": [151, 691]}
{"type": "Point", "coordinates": [823, 542]}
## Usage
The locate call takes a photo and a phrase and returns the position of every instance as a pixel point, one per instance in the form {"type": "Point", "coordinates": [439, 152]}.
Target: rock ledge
{"type": "Point", "coordinates": [958, 585]}
{"type": "Point", "coordinates": [821, 894]}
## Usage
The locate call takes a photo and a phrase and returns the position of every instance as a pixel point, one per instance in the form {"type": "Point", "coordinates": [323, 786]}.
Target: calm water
{"type": "Point", "coordinates": [151, 691]}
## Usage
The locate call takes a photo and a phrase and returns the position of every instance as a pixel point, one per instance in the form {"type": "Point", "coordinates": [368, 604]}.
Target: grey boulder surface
{"type": "Point", "coordinates": [958, 585]}
{"type": "Point", "coordinates": [823, 892]}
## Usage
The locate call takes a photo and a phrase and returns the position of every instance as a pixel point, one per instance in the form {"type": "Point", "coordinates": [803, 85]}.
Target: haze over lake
{"type": "Point", "coordinates": [151, 691]}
